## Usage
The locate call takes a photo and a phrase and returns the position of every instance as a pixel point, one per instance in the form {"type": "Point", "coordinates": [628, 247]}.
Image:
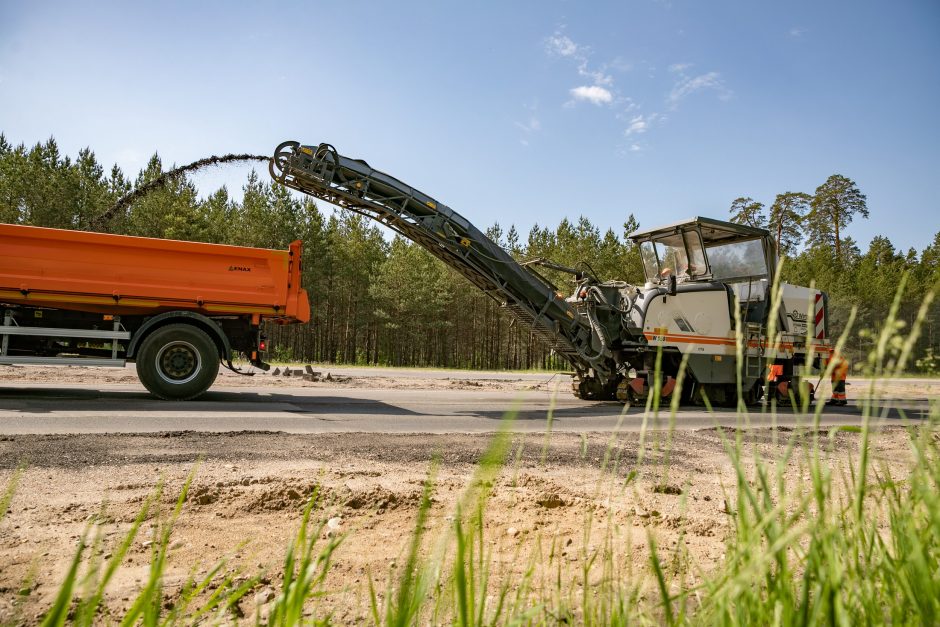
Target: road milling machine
{"type": "Point", "coordinates": [698, 273]}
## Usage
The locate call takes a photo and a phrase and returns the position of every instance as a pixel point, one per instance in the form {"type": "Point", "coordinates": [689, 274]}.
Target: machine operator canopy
{"type": "Point", "coordinates": [703, 249]}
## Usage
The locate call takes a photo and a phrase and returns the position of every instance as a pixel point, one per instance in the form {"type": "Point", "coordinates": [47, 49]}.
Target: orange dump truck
{"type": "Point", "coordinates": [177, 309]}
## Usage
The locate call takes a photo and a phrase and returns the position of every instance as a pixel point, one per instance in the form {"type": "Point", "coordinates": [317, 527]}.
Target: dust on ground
{"type": "Point", "coordinates": [323, 377]}
{"type": "Point", "coordinates": [250, 488]}
{"type": "Point", "coordinates": [332, 376]}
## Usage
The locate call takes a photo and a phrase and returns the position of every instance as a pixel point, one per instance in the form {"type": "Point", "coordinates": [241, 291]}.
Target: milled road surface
{"type": "Point", "coordinates": [57, 408]}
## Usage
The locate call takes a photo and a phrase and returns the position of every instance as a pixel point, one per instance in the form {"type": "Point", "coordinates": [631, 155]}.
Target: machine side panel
{"type": "Point", "coordinates": [695, 322]}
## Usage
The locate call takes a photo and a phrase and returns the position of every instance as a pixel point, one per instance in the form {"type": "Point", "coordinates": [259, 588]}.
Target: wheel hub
{"type": "Point", "coordinates": [178, 362]}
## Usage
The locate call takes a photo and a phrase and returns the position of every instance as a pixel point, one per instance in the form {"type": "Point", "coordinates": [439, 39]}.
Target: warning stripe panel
{"type": "Point", "coordinates": [820, 318]}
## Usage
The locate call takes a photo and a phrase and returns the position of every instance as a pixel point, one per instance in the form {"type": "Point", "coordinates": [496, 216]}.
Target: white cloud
{"type": "Point", "coordinates": [797, 31]}
{"type": "Point", "coordinates": [598, 77]}
{"type": "Point", "coordinates": [635, 148]}
{"type": "Point", "coordinates": [679, 67]}
{"type": "Point", "coordinates": [594, 94]}
{"type": "Point", "coordinates": [562, 46]}
{"type": "Point", "coordinates": [687, 86]}
{"type": "Point", "coordinates": [639, 124]}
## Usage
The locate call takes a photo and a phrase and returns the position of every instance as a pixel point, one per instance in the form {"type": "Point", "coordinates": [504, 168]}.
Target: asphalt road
{"type": "Point", "coordinates": [82, 408]}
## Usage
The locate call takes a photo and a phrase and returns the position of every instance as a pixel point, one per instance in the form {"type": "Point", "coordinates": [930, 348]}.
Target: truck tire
{"type": "Point", "coordinates": [177, 362]}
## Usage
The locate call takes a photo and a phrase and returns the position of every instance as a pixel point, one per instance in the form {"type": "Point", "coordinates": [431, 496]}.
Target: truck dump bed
{"type": "Point", "coordinates": [118, 274]}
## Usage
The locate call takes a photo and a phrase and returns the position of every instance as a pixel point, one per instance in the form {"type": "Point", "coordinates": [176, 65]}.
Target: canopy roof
{"type": "Point", "coordinates": [713, 231]}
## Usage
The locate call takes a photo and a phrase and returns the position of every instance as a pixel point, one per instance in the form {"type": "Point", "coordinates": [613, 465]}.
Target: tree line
{"type": "Point", "coordinates": [376, 301]}
{"type": "Point", "coordinates": [811, 231]}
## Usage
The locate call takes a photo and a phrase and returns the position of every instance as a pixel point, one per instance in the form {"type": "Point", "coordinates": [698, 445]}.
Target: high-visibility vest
{"type": "Point", "coordinates": [839, 374]}
{"type": "Point", "coordinates": [841, 371]}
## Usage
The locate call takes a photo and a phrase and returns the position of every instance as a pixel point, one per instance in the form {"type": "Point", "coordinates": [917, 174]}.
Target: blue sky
{"type": "Point", "coordinates": [520, 112]}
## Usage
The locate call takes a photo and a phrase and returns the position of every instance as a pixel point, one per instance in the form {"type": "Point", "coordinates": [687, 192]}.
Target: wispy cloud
{"type": "Point", "coordinates": [599, 77]}
{"type": "Point", "coordinates": [595, 94]}
{"type": "Point", "coordinates": [627, 107]}
{"type": "Point", "coordinates": [639, 124]}
{"type": "Point", "coordinates": [797, 31]}
{"type": "Point", "coordinates": [685, 86]}
{"type": "Point", "coordinates": [562, 45]}
{"type": "Point", "coordinates": [598, 88]}
{"type": "Point", "coordinates": [530, 126]}
{"type": "Point", "coordinates": [600, 91]}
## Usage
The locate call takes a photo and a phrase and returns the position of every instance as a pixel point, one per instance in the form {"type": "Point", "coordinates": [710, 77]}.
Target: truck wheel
{"type": "Point", "coordinates": [177, 362]}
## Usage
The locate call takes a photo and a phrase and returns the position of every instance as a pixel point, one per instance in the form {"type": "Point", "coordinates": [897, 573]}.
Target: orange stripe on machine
{"type": "Point", "coordinates": [685, 338]}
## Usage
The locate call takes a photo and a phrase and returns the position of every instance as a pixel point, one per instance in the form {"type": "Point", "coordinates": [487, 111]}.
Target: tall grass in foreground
{"type": "Point", "coordinates": [837, 545]}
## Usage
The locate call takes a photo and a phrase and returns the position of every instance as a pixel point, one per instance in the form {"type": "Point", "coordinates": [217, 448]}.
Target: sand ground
{"type": "Point", "coordinates": [250, 488]}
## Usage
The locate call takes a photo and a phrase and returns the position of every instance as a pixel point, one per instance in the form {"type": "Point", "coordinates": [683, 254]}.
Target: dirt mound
{"type": "Point", "coordinates": [203, 495]}
{"type": "Point", "coordinates": [284, 495]}
{"type": "Point", "coordinates": [381, 498]}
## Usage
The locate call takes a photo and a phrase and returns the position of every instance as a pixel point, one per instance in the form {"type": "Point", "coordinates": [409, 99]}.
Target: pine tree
{"type": "Point", "coordinates": [512, 241]}
{"type": "Point", "coordinates": [786, 219]}
{"type": "Point", "coordinates": [118, 186]}
{"type": "Point", "coordinates": [219, 211]}
{"type": "Point", "coordinates": [92, 197]}
{"type": "Point", "coordinates": [13, 182]}
{"type": "Point", "coordinates": [930, 259]}
{"type": "Point", "coordinates": [631, 225]}
{"type": "Point", "coordinates": [633, 263]}
{"type": "Point", "coordinates": [495, 233]}
{"type": "Point", "coordinates": [835, 204]}
{"type": "Point", "coordinates": [748, 212]}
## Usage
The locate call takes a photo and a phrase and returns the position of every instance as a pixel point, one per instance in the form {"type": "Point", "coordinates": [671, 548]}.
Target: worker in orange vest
{"type": "Point", "coordinates": [774, 383]}
{"type": "Point", "coordinates": [839, 374]}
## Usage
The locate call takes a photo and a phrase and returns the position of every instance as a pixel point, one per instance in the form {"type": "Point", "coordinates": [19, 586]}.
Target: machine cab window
{"type": "Point", "coordinates": [702, 249]}
{"type": "Point", "coordinates": [678, 254]}
{"type": "Point", "coordinates": [738, 260]}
